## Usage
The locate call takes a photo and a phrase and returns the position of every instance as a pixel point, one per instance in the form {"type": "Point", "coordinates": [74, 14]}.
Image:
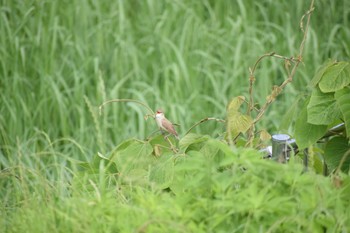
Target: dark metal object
{"type": "Point", "coordinates": [334, 131]}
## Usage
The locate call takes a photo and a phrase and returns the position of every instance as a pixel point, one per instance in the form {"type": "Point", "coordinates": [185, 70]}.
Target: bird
{"type": "Point", "coordinates": [165, 124]}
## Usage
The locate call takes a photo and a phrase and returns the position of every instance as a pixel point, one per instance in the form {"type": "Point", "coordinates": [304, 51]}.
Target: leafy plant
{"type": "Point", "coordinates": [327, 107]}
{"type": "Point", "coordinates": [60, 168]}
{"type": "Point", "coordinates": [208, 186]}
{"type": "Point", "coordinates": [238, 123]}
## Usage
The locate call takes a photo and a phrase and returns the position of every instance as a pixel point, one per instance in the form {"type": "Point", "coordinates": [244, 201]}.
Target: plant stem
{"type": "Point", "coordinates": [278, 89]}
{"type": "Point", "coordinates": [202, 121]}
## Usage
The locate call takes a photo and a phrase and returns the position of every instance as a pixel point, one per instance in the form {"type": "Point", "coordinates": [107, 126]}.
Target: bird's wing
{"type": "Point", "coordinates": [168, 126]}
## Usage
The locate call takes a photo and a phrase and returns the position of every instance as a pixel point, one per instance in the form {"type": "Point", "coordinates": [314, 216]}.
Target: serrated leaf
{"type": "Point", "coordinates": [334, 152]}
{"type": "Point", "coordinates": [238, 123]}
{"type": "Point", "coordinates": [343, 100]}
{"type": "Point", "coordinates": [322, 108]}
{"type": "Point", "coordinates": [305, 133]}
{"type": "Point", "coordinates": [335, 77]}
{"type": "Point", "coordinates": [320, 72]}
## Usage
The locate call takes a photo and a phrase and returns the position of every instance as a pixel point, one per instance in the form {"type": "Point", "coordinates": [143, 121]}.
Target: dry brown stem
{"type": "Point", "coordinates": [289, 61]}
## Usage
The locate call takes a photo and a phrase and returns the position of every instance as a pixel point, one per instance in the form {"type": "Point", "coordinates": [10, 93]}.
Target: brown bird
{"type": "Point", "coordinates": [165, 124]}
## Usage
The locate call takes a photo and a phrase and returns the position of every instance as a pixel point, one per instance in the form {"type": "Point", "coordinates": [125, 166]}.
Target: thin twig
{"type": "Point", "coordinates": [204, 120]}
{"type": "Point", "coordinates": [252, 76]}
{"type": "Point", "coordinates": [172, 147]}
{"type": "Point", "coordinates": [278, 89]}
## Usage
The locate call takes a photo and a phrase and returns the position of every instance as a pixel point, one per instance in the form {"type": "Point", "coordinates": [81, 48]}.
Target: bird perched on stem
{"type": "Point", "coordinates": [165, 124]}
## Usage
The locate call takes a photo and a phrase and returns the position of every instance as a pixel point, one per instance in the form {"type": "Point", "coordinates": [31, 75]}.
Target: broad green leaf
{"type": "Point", "coordinates": [133, 154]}
{"type": "Point", "coordinates": [289, 116]}
{"type": "Point", "coordinates": [162, 172]}
{"type": "Point", "coordinates": [320, 72]}
{"type": "Point", "coordinates": [322, 108]}
{"type": "Point", "coordinates": [191, 139]}
{"type": "Point", "coordinates": [160, 145]}
{"type": "Point", "coordinates": [136, 176]}
{"type": "Point", "coordinates": [343, 100]}
{"type": "Point", "coordinates": [124, 144]}
{"type": "Point", "coordinates": [226, 149]}
{"type": "Point", "coordinates": [305, 133]}
{"type": "Point", "coordinates": [334, 152]}
{"type": "Point", "coordinates": [238, 123]}
{"type": "Point", "coordinates": [209, 148]}
{"type": "Point", "coordinates": [335, 77]}
{"type": "Point", "coordinates": [218, 151]}
{"type": "Point", "coordinates": [190, 172]}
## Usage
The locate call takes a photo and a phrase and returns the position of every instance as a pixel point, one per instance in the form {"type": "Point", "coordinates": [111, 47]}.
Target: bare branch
{"type": "Point", "coordinates": [204, 120]}
{"type": "Point", "coordinates": [278, 89]}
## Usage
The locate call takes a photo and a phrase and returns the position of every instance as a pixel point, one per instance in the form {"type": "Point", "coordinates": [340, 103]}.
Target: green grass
{"type": "Point", "coordinates": [59, 60]}
{"type": "Point", "coordinates": [189, 58]}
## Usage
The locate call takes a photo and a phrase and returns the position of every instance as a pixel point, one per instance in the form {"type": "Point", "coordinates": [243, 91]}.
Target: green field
{"type": "Point", "coordinates": [61, 169]}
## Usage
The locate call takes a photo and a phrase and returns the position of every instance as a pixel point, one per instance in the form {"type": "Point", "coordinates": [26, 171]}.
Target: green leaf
{"type": "Point", "coordinates": [236, 122]}
{"type": "Point", "coordinates": [335, 77]}
{"type": "Point", "coordinates": [318, 164]}
{"type": "Point", "coordinates": [289, 116]}
{"type": "Point", "coordinates": [226, 149]}
{"type": "Point", "coordinates": [160, 145]}
{"type": "Point", "coordinates": [334, 152]}
{"type": "Point", "coordinates": [235, 103]}
{"type": "Point", "coordinates": [320, 72]}
{"type": "Point", "coordinates": [264, 135]}
{"type": "Point", "coordinates": [132, 154]}
{"type": "Point", "coordinates": [190, 172]}
{"type": "Point", "coordinates": [217, 151]}
{"type": "Point", "coordinates": [322, 108]}
{"type": "Point", "coordinates": [162, 172]}
{"type": "Point", "coordinates": [209, 148]}
{"type": "Point", "coordinates": [315, 159]}
{"type": "Point", "coordinates": [343, 100]}
{"type": "Point", "coordinates": [192, 140]}
{"type": "Point", "coordinates": [305, 133]}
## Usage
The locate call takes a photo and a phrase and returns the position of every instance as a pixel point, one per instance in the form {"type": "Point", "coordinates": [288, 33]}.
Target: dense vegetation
{"type": "Point", "coordinates": [65, 168]}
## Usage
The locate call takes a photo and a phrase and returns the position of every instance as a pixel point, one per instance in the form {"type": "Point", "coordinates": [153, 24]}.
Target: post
{"type": "Point", "coordinates": [279, 148]}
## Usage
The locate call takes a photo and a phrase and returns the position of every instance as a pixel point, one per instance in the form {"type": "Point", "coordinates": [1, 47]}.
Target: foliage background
{"type": "Point", "coordinates": [61, 59]}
